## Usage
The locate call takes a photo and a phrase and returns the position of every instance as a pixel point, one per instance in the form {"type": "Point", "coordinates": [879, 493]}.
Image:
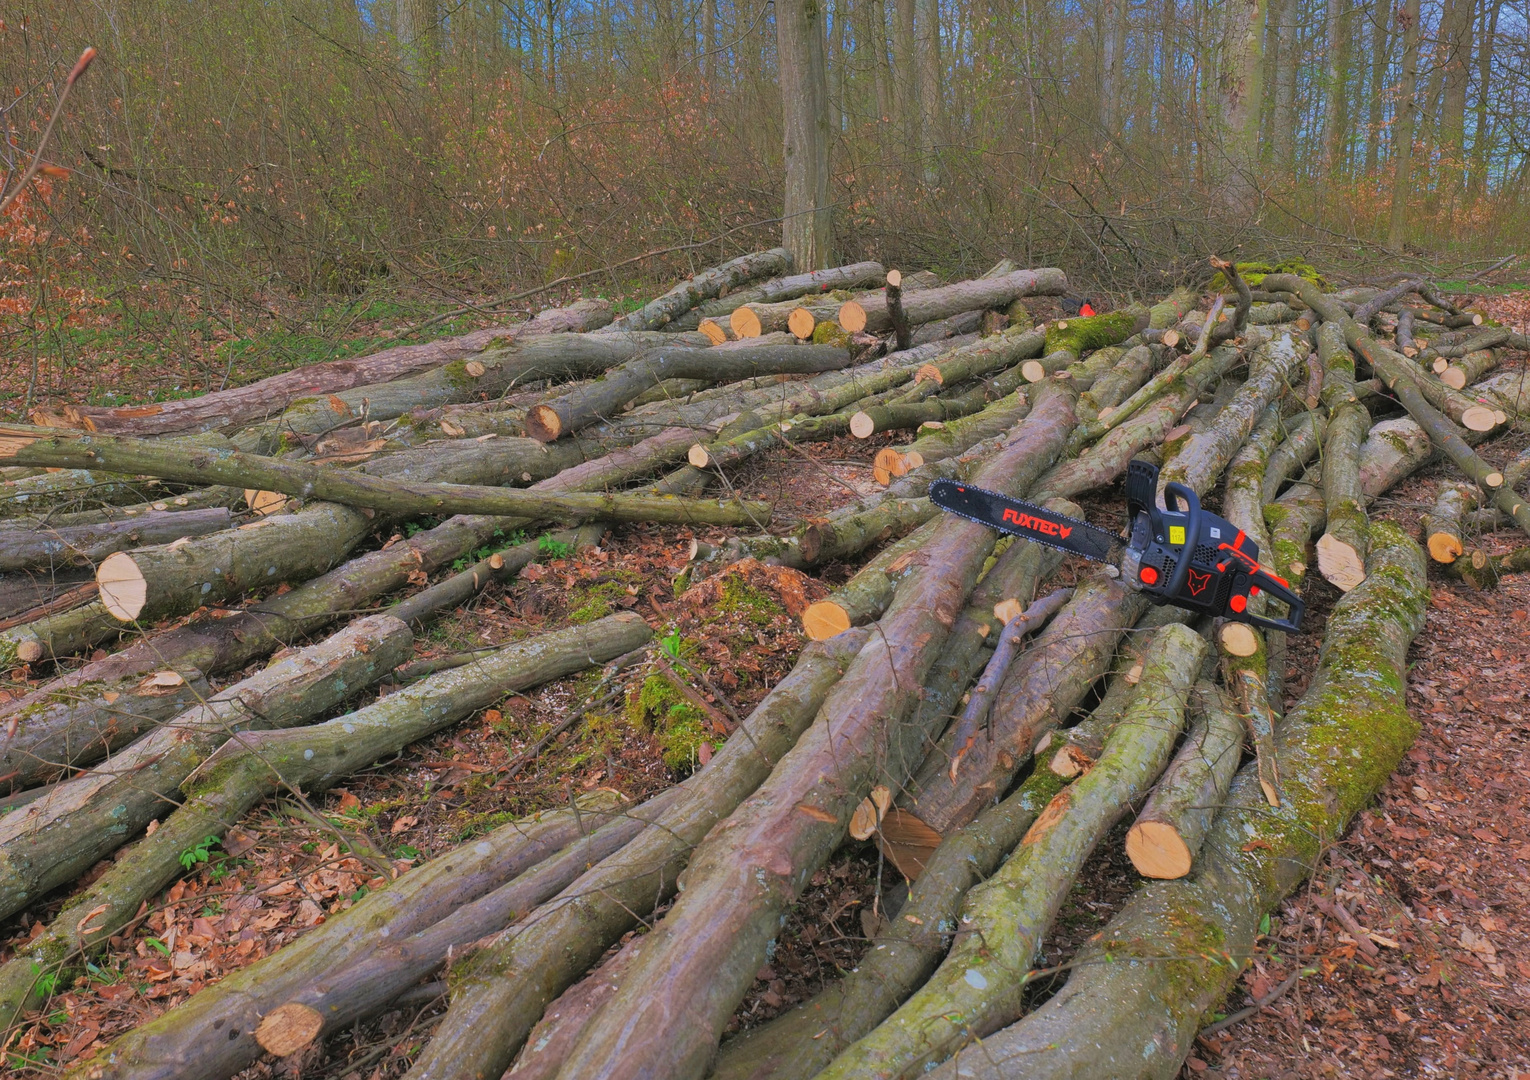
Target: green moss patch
{"type": "Point", "coordinates": [680, 728]}
{"type": "Point", "coordinates": [1255, 272]}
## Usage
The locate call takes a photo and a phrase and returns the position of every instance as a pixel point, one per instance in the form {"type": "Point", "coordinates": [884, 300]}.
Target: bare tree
{"type": "Point", "coordinates": [807, 225]}
{"type": "Point", "coordinates": [931, 82]}
{"type": "Point", "coordinates": [1336, 90]}
{"type": "Point", "coordinates": [1241, 94]}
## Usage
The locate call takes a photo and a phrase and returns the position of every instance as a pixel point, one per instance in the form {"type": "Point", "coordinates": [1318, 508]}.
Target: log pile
{"type": "Point", "coordinates": [982, 710]}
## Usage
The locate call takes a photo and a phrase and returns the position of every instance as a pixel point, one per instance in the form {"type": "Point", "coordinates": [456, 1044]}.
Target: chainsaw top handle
{"type": "Point", "coordinates": [1191, 508]}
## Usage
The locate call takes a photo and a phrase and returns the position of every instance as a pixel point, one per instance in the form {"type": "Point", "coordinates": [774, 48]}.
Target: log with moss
{"type": "Point", "coordinates": [705, 286]}
{"type": "Point", "coordinates": [1342, 547]}
{"type": "Point", "coordinates": [1124, 377]}
{"type": "Point", "coordinates": [871, 314]}
{"type": "Point", "coordinates": [1087, 333]}
{"type": "Point", "coordinates": [979, 987]}
{"type": "Point", "coordinates": [1139, 993]}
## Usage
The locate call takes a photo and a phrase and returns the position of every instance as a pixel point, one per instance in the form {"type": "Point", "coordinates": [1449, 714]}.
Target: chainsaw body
{"type": "Point", "coordinates": [1194, 559]}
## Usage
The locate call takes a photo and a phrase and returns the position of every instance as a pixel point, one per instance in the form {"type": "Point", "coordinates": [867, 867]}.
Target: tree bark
{"type": "Point", "coordinates": [1125, 1011]}
{"type": "Point", "coordinates": [852, 276]}
{"type": "Point", "coordinates": [240, 405]}
{"type": "Point", "coordinates": [808, 218]}
{"type": "Point", "coordinates": [978, 988]}
{"type": "Point", "coordinates": [506, 987]}
{"type": "Point", "coordinates": [1109, 390]}
{"type": "Point", "coordinates": [927, 305]}
{"type": "Point", "coordinates": [1442, 525]}
{"type": "Point", "coordinates": [608, 396]}
{"type": "Point", "coordinates": [713, 940]}
{"type": "Point", "coordinates": [1303, 437]}
{"type": "Point", "coordinates": [1403, 127]}
{"type": "Point", "coordinates": [705, 286]}
{"type": "Point", "coordinates": [85, 545]}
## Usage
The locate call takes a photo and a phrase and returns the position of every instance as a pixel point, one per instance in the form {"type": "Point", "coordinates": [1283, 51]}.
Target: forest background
{"type": "Point", "coordinates": [243, 186]}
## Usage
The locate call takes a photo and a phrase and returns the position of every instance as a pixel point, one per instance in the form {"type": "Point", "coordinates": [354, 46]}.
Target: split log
{"type": "Point", "coordinates": [57, 838]}
{"type": "Point", "coordinates": [83, 545]}
{"type": "Point", "coordinates": [77, 718]}
{"type": "Point", "coordinates": [234, 407]}
{"type": "Point", "coordinates": [510, 982]}
{"type": "Point", "coordinates": [190, 1040]}
{"type": "Point", "coordinates": [606, 397]}
{"type": "Point", "coordinates": [955, 438]}
{"type": "Point", "coordinates": [704, 286]}
{"type": "Point", "coordinates": [777, 290]}
{"type": "Point", "coordinates": [978, 988]}
{"type": "Point", "coordinates": [751, 869]}
{"type": "Point", "coordinates": [1482, 571]}
{"type": "Point", "coordinates": [1404, 333]}
{"type": "Point", "coordinates": [553, 1035]}
{"type": "Point", "coordinates": [49, 493]}
{"type": "Point", "coordinates": [1168, 832]}
{"type": "Point", "coordinates": [1125, 1011]}
{"type": "Point", "coordinates": [60, 634]}
{"type": "Point", "coordinates": [1341, 550]}
{"type": "Point", "coordinates": [1477, 341]}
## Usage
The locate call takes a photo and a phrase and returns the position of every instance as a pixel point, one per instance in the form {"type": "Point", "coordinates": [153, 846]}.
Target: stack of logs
{"type": "Point", "coordinates": [984, 728]}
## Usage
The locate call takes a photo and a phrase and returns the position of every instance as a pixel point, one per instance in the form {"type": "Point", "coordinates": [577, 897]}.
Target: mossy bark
{"type": "Point", "coordinates": [1111, 388]}
{"type": "Point", "coordinates": [978, 988]}
{"type": "Point", "coordinates": [1304, 436]}
{"type": "Point", "coordinates": [704, 286]}
{"type": "Point", "coordinates": [1137, 995]}
{"type": "Point", "coordinates": [1087, 333]}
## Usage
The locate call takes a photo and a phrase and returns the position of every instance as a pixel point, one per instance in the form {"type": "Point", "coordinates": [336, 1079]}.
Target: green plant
{"type": "Point", "coordinates": [670, 643]}
{"type": "Point", "coordinates": [157, 945]}
{"type": "Point", "coordinates": [200, 853]}
{"type": "Point", "coordinates": [553, 548]}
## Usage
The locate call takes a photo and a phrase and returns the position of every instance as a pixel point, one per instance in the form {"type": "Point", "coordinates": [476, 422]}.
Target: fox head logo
{"type": "Point", "coordinates": [1064, 530]}
{"type": "Point", "coordinates": [1198, 582]}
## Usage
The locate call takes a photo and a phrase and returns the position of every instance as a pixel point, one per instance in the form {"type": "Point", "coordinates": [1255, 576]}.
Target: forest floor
{"type": "Point", "coordinates": [1438, 870]}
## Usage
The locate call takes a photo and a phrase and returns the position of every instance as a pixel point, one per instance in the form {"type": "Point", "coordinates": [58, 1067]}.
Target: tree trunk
{"type": "Point", "coordinates": [1121, 1016]}
{"type": "Point", "coordinates": [1482, 133]}
{"type": "Point", "coordinates": [1241, 93]}
{"type": "Point", "coordinates": [978, 988]}
{"type": "Point", "coordinates": [931, 88]}
{"type": "Point", "coordinates": [808, 217]}
{"type": "Point", "coordinates": [1336, 90]}
{"type": "Point", "coordinates": [1381, 43]}
{"type": "Point", "coordinates": [1403, 128]}
{"type": "Point", "coordinates": [905, 75]}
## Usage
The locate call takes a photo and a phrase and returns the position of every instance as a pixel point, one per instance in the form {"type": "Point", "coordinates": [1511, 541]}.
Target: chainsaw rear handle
{"type": "Point", "coordinates": [1274, 586]}
{"type": "Point", "coordinates": [1191, 508]}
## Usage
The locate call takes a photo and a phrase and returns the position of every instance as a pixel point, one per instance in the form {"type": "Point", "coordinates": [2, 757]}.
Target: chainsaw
{"type": "Point", "coordinates": [1181, 555]}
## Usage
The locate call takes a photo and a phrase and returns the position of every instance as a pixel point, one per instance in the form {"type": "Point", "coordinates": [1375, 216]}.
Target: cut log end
{"type": "Point", "coordinates": [543, 423]}
{"type": "Point", "coordinates": [123, 588]}
{"type": "Point", "coordinates": [264, 502]}
{"type": "Point", "coordinates": [888, 465]}
{"type": "Point", "coordinates": [1157, 850]}
{"type": "Point", "coordinates": [288, 1028]}
{"type": "Point", "coordinates": [698, 457]}
{"type": "Point", "coordinates": [745, 323]}
{"type": "Point", "coordinates": [1454, 377]}
{"type": "Point", "coordinates": [824, 620]}
{"type": "Point", "coordinates": [1071, 761]}
{"type": "Point", "coordinates": [29, 651]}
{"type": "Point", "coordinates": [852, 317]}
{"type": "Point", "coordinates": [1171, 338]}
{"type": "Point", "coordinates": [715, 334]}
{"type": "Point", "coordinates": [1033, 371]}
{"type": "Point", "coordinates": [1339, 563]}
{"type": "Point", "coordinates": [1239, 639]}
{"type": "Point", "coordinates": [1005, 610]}
{"type": "Point", "coordinates": [1479, 418]}
{"type": "Point", "coordinates": [801, 322]}
{"type": "Point", "coordinates": [862, 426]}
{"type": "Point", "coordinates": [907, 842]}
{"type": "Point", "coordinates": [1444, 548]}
{"type": "Point", "coordinates": [1441, 365]}
{"type": "Point", "coordinates": [895, 278]}
{"type": "Point", "coordinates": [1493, 480]}
{"type": "Point", "coordinates": [929, 372]}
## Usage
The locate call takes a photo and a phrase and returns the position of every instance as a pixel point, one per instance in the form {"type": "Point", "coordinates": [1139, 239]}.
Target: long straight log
{"type": "Point", "coordinates": [605, 397]}
{"type": "Point", "coordinates": [1137, 995]}
{"type": "Point", "coordinates": [927, 305]}
{"type": "Point", "coordinates": [484, 378]}
{"type": "Point", "coordinates": [506, 987]}
{"type": "Point", "coordinates": [1167, 834]}
{"type": "Point", "coordinates": [85, 545]}
{"type": "Point", "coordinates": [234, 407]}
{"type": "Point", "coordinates": [1131, 371]}
{"type": "Point", "coordinates": [978, 988]}
{"type": "Point", "coordinates": [79, 717]}
{"type": "Point", "coordinates": [404, 906]}
{"type": "Point", "coordinates": [775, 291]}
{"type": "Point", "coordinates": [311, 759]}
{"type": "Point", "coordinates": [742, 879]}
{"type": "Point", "coordinates": [1342, 547]}
{"type": "Point", "coordinates": [81, 820]}
{"type": "Point", "coordinates": [704, 286]}
{"type": "Point", "coordinates": [1304, 436]}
